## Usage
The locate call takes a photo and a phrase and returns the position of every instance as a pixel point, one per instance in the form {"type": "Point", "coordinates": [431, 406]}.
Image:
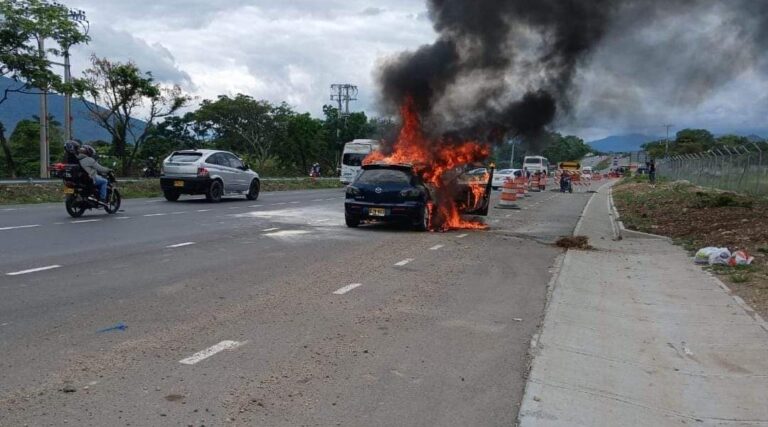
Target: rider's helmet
{"type": "Point", "coordinates": [88, 150]}
{"type": "Point", "coordinates": [71, 146]}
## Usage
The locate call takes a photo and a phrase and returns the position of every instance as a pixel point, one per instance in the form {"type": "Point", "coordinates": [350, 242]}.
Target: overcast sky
{"type": "Point", "coordinates": [293, 50]}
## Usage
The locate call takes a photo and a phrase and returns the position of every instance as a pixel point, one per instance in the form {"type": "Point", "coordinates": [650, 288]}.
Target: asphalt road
{"type": "Point", "coordinates": [268, 313]}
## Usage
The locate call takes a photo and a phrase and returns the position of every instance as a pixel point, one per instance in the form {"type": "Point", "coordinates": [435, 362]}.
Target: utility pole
{"type": "Point", "coordinates": [343, 93]}
{"type": "Point", "coordinates": [77, 16]}
{"type": "Point", "coordinates": [666, 141]}
{"type": "Point", "coordinates": [44, 157]}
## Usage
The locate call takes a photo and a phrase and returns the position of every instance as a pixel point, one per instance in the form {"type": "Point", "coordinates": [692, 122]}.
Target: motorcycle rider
{"type": "Point", "coordinates": [93, 169]}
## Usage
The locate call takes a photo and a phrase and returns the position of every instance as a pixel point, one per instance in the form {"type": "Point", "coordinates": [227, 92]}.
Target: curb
{"type": "Point", "coordinates": [740, 302]}
{"type": "Point", "coordinates": [621, 231]}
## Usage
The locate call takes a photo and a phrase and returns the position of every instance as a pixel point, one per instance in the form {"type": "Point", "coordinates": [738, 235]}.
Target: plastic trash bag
{"type": "Point", "coordinates": [712, 255]}
{"type": "Point", "coordinates": [740, 258]}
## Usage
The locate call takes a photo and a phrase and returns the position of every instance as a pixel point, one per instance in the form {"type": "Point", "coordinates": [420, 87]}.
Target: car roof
{"type": "Point", "coordinates": [405, 167]}
{"type": "Point", "coordinates": [200, 151]}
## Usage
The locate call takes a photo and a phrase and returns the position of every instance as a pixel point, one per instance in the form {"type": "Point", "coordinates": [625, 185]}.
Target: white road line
{"type": "Point", "coordinates": [403, 262]}
{"type": "Point", "coordinates": [123, 217]}
{"type": "Point", "coordinates": [436, 247]}
{"type": "Point", "coordinates": [461, 236]}
{"type": "Point", "coordinates": [19, 226]}
{"type": "Point", "coordinates": [295, 203]}
{"type": "Point", "coordinates": [178, 213]}
{"type": "Point", "coordinates": [255, 206]}
{"type": "Point", "coordinates": [33, 270]}
{"type": "Point", "coordinates": [210, 351]}
{"type": "Point", "coordinates": [8, 210]}
{"type": "Point", "coordinates": [203, 210]}
{"type": "Point", "coordinates": [317, 200]}
{"type": "Point", "coordinates": [270, 229]}
{"type": "Point", "coordinates": [281, 203]}
{"type": "Point", "coordinates": [82, 221]}
{"type": "Point", "coordinates": [178, 245]}
{"type": "Point", "coordinates": [157, 214]}
{"type": "Point", "coordinates": [345, 289]}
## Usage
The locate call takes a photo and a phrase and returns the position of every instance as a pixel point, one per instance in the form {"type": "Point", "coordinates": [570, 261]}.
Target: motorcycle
{"type": "Point", "coordinates": [565, 184]}
{"type": "Point", "coordinates": [82, 194]}
{"type": "Point", "coordinates": [150, 169]}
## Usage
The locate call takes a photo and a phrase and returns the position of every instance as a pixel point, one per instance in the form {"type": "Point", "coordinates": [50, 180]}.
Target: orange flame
{"type": "Point", "coordinates": [433, 161]}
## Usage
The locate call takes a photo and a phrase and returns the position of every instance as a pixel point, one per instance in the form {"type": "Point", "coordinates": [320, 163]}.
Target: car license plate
{"type": "Point", "coordinates": [377, 212]}
{"type": "Point", "coordinates": [178, 183]}
{"type": "Point", "coordinates": [68, 190]}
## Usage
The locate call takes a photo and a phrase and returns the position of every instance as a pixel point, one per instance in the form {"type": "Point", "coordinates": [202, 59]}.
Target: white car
{"type": "Point", "coordinates": [502, 175]}
{"type": "Point", "coordinates": [211, 172]}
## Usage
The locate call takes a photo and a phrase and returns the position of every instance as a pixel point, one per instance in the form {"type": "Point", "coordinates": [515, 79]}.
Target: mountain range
{"type": "Point", "coordinates": [21, 106]}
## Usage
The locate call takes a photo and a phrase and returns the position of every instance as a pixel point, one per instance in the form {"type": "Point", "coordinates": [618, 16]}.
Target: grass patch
{"type": "Point", "coordinates": [52, 192]}
{"type": "Point", "coordinates": [740, 277]}
{"type": "Point", "coordinates": [573, 242]}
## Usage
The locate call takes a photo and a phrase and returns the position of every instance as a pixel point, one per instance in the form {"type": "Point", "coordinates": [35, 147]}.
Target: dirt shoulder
{"type": "Point", "coordinates": [694, 218]}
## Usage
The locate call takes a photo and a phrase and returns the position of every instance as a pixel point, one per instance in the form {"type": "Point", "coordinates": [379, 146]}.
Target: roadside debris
{"type": "Point", "coordinates": [722, 256]}
{"type": "Point", "coordinates": [573, 242]}
{"type": "Point", "coordinates": [118, 327]}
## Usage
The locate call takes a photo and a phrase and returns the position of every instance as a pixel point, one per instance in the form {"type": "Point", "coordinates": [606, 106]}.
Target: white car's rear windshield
{"type": "Point", "coordinates": [185, 157]}
{"type": "Point", "coordinates": [533, 161]}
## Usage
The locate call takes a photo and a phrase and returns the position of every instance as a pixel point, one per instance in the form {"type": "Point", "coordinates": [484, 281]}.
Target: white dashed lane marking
{"type": "Point", "coordinates": [203, 210]}
{"type": "Point", "coordinates": [461, 236]}
{"type": "Point", "coordinates": [271, 229]}
{"type": "Point", "coordinates": [178, 245]}
{"type": "Point", "coordinates": [156, 214]}
{"type": "Point", "coordinates": [83, 221]}
{"type": "Point", "coordinates": [436, 247]}
{"type": "Point", "coordinates": [18, 227]}
{"type": "Point", "coordinates": [32, 270]}
{"type": "Point", "coordinates": [403, 262]}
{"type": "Point", "coordinates": [345, 289]}
{"type": "Point", "coordinates": [255, 206]}
{"type": "Point", "coordinates": [210, 351]}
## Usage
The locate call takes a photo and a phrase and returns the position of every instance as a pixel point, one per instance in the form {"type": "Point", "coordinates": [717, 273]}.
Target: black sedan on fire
{"type": "Point", "coordinates": [388, 192]}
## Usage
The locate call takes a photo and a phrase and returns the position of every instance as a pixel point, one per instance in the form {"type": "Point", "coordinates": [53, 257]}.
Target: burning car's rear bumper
{"type": "Point", "coordinates": [405, 212]}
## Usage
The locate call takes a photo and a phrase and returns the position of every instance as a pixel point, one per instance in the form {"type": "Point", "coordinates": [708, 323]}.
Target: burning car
{"type": "Point", "coordinates": [396, 192]}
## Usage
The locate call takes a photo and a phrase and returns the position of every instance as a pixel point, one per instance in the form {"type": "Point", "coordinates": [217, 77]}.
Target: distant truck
{"type": "Point", "coordinates": [353, 155]}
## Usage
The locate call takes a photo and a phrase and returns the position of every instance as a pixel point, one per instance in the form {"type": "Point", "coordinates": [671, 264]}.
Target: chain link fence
{"type": "Point", "coordinates": [742, 169]}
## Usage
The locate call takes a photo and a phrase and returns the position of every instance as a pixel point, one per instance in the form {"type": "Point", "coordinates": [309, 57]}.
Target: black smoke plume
{"type": "Point", "coordinates": [506, 68]}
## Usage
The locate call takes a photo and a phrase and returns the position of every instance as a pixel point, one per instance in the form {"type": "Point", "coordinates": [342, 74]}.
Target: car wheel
{"type": "Point", "coordinates": [214, 192]}
{"type": "Point", "coordinates": [171, 195]}
{"type": "Point", "coordinates": [423, 224]}
{"type": "Point", "coordinates": [352, 221]}
{"type": "Point", "coordinates": [253, 190]}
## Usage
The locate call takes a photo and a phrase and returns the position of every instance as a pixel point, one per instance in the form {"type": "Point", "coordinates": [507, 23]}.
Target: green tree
{"type": "Point", "coordinates": [303, 145]}
{"type": "Point", "coordinates": [24, 143]}
{"type": "Point", "coordinates": [22, 24]}
{"type": "Point", "coordinates": [731, 140]}
{"type": "Point", "coordinates": [246, 125]}
{"type": "Point", "coordinates": [175, 133]}
{"type": "Point", "coordinates": [565, 148]}
{"type": "Point", "coordinates": [117, 92]}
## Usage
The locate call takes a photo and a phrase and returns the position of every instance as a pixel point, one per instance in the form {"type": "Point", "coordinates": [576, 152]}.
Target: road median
{"type": "Point", "coordinates": [41, 191]}
{"type": "Point", "coordinates": [636, 335]}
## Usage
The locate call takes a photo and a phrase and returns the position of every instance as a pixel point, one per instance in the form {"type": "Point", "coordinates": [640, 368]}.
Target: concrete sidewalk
{"type": "Point", "coordinates": [636, 335]}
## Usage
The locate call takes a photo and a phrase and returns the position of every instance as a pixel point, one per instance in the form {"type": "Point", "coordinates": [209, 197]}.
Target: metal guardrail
{"type": "Point", "coordinates": [742, 169]}
{"type": "Point", "coordinates": [58, 180]}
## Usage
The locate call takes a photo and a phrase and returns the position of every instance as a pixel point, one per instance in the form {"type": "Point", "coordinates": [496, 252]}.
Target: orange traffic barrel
{"type": "Point", "coordinates": [508, 195]}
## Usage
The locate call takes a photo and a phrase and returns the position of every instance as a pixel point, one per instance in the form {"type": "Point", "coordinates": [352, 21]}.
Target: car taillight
{"type": "Point", "coordinates": [202, 172]}
{"type": "Point", "coordinates": [353, 191]}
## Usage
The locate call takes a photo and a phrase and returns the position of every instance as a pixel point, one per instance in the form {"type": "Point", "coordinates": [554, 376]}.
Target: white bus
{"type": "Point", "coordinates": [536, 164]}
{"type": "Point", "coordinates": [353, 155]}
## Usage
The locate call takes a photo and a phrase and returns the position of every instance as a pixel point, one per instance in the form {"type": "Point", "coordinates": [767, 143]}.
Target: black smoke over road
{"type": "Point", "coordinates": [502, 68]}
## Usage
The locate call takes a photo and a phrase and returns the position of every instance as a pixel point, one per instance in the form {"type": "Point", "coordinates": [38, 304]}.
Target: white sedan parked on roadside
{"type": "Point", "coordinates": [501, 175]}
